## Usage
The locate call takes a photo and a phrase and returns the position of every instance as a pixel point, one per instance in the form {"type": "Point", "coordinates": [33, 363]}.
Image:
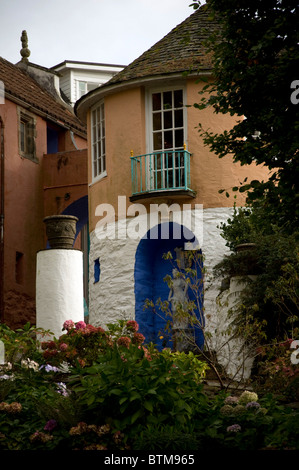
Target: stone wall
{"type": "Point", "coordinates": [19, 309]}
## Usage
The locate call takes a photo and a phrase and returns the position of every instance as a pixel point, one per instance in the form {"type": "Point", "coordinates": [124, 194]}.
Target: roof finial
{"type": "Point", "coordinates": [25, 52]}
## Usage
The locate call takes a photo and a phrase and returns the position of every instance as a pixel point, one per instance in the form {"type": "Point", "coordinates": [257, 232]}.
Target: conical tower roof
{"type": "Point", "coordinates": [181, 50]}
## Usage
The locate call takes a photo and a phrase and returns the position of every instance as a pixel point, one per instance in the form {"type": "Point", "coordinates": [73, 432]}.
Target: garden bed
{"type": "Point", "coordinates": [96, 389]}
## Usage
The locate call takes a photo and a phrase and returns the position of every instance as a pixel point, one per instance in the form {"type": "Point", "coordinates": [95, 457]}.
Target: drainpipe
{"type": "Point", "coordinates": [1, 221]}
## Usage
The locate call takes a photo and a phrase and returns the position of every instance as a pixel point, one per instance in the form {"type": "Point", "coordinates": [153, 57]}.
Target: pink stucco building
{"type": "Point", "coordinates": [43, 172]}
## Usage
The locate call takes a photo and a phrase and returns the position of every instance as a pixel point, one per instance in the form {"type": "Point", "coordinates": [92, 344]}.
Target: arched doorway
{"type": "Point", "coordinates": [150, 270]}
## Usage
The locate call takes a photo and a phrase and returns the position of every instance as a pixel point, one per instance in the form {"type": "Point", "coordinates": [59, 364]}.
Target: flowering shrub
{"type": "Point", "coordinates": [247, 397]}
{"type": "Point", "coordinates": [21, 343]}
{"type": "Point", "coordinates": [234, 428]}
{"type": "Point", "coordinates": [83, 343]}
{"type": "Point", "coordinates": [276, 372]}
{"type": "Point", "coordinates": [236, 406]}
{"type": "Point", "coordinates": [247, 422]}
{"type": "Point", "coordinates": [96, 389]}
{"type": "Point", "coordinates": [11, 408]}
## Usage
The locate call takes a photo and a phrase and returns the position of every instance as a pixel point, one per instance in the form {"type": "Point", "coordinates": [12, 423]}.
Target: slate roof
{"type": "Point", "coordinates": [180, 50]}
{"type": "Point", "coordinates": [183, 49]}
{"type": "Point", "coordinates": [19, 85]}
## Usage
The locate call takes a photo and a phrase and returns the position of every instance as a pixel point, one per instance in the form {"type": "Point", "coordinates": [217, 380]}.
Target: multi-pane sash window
{"type": "Point", "coordinates": [27, 135]}
{"type": "Point", "coordinates": [167, 108]}
{"type": "Point", "coordinates": [98, 141]}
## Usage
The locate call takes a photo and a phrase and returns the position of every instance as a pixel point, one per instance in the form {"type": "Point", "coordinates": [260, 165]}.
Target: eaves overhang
{"type": "Point", "coordinates": [45, 115]}
{"type": "Point", "coordinates": [90, 99]}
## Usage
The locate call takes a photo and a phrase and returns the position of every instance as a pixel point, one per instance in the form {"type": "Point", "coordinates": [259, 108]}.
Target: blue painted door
{"type": "Point", "coordinates": [150, 271]}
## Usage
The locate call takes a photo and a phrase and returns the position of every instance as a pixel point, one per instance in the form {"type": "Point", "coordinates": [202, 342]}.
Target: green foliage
{"type": "Point", "coordinates": [246, 422]}
{"type": "Point", "coordinates": [129, 397]}
{"type": "Point", "coordinates": [110, 383]}
{"type": "Point", "coordinates": [238, 228]}
{"type": "Point", "coordinates": [267, 315]}
{"type": "Point", "coordinates": [276, 372]}
{"type": "Point", "coordinates": [82, 344]}
{"type": "Point", "coordinates": [272, 298]}
{"type": "Point", "coordinates": [255, 60]}
{"type": "Point", "coordinates": [139, 391]}
{"type": "Point", "coordinates": [22, 342]}
{"type": "Point", "coordinates": [166, 438]}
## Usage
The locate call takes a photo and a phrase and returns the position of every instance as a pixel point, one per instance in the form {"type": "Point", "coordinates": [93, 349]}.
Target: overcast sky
{"type": "Point", "coordinates": [105, 31]}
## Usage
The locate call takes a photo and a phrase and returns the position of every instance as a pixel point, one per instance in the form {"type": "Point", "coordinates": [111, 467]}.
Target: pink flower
{"type": "Point", "coordinates": [40, 437]}
{"type": "Point", "coordinates": [50, 425]}
{"type": "Point", "coordinates": [146, 354]}
{"type": "Point", "coordinates": [124, 341]}
{"type": "Point", "coordinates": [63, 347]}
{"type": "Point", "coordinates": [100, 330]}
{"type": "Point", "coordinates": [132, 325]}
{"type": "Point", "coordinates": [68, 325]}
{"type": "Point", "coordinates": [80, 325]}
{"type": "Point", "coordinates": [234, 428]}
{"type": "Point", "coordinates": [48, 345]}
{"type": "Point", "coordinates": [138, 338]}
{"type": "Point", "coordinates": [90, 329]}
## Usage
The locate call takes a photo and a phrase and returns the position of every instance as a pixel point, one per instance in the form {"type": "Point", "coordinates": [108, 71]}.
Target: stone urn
{"type": "Point", "coordinates": [245, 247]}
{"type": "Point", "coordinates": [61, 230]}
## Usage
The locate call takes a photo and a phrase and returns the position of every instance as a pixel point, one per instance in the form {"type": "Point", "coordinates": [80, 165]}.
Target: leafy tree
{"type": "Point", "coordinates": [255, 65]}
{"type": "Point", "coordinates": [255, 57]}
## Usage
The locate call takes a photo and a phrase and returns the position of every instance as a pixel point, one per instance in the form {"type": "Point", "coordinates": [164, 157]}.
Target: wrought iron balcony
{"type": "Point", "coordinates": [161, 172]}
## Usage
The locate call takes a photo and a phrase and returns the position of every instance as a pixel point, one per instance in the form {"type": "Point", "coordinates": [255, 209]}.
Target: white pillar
{"type": "Point", "coordinates": [59, 288]}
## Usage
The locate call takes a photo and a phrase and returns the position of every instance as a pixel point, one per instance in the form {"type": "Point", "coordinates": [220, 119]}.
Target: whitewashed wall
{"type": "Point", "coordinates": [113, 296]}
{"type": "Point", "coordinates": [59, 288]}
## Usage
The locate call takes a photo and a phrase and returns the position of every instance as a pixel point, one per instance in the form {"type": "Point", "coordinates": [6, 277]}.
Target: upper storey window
{"type": "Point", "coordinates": [168, 126]}
{"type": "Point", "coordinates": [98, 149]}
{"type": "Point", "coordinates": [84, 87]}
{"type": "Point", "coordinates": [166, 138]}
{"type": "Point", "coordinates": [27, 131]}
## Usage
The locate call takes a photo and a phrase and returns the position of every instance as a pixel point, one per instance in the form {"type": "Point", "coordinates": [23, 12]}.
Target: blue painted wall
{"type": "Point", "coordinates": [52, 140]}
{"type": "Point", "coordinates": [150, 270]}
{"type": "Point", "coordinates": [79, 209]}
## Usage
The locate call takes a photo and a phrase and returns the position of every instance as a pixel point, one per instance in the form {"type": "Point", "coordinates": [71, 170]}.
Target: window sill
{"type": "Point", "coordinates": [32, 158]}
{"type": "Point", "coordinates": [98, 178]}
{"type": "Point", "coordinates": [170, 193]}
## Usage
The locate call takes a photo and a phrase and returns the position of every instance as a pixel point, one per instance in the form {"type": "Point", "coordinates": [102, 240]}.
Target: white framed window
{"type": "Point", "coordinates": [167, 120]}
{"type": "Point", "coordinates": [167, 134]}
{"type": "Point", "coordinates": [98, 147]}
{"type": "Point", "coordinates": [84, 87]}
